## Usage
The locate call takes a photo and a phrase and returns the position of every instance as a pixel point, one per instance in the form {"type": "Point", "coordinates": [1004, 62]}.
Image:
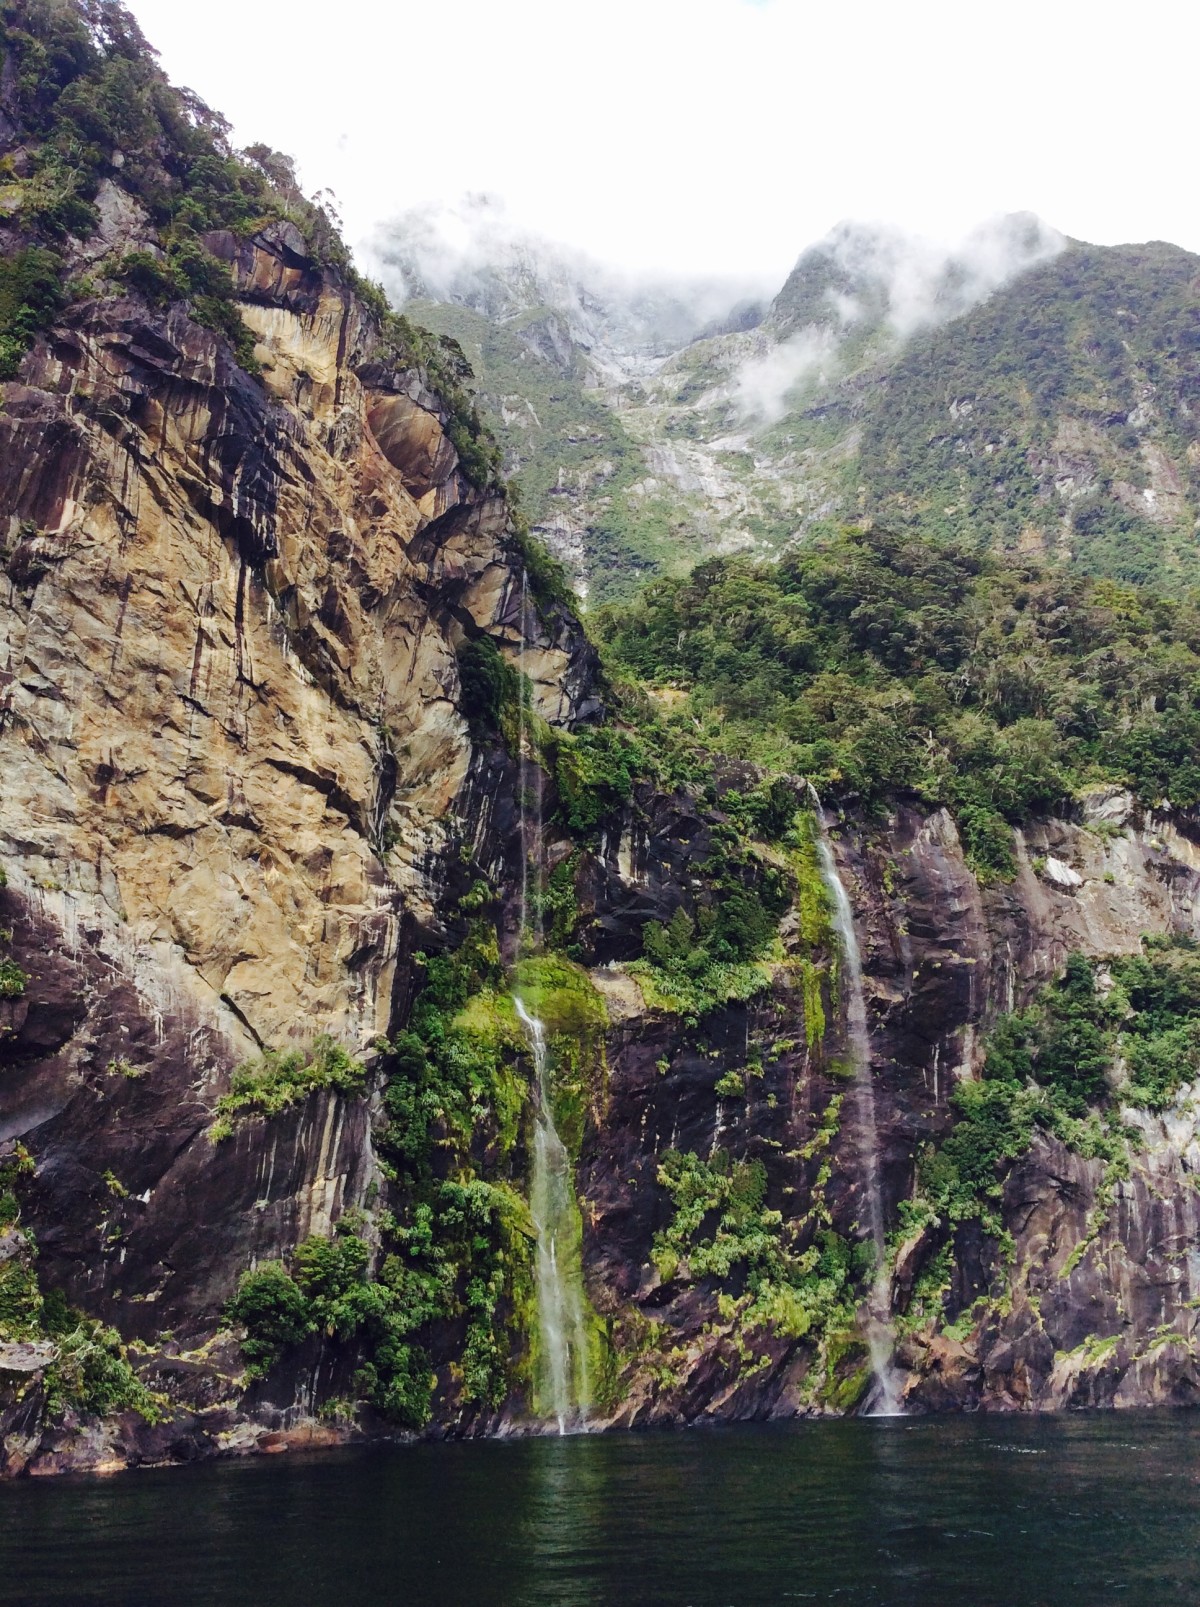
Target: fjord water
{"type": "Point", "coordinates": [996, 1512]}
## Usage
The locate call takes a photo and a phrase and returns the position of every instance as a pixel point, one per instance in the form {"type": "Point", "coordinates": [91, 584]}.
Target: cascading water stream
{"type": "Point", "coordinates": [561, 1326]}
{"type": "Point", "coordinates": [562, 1383]}
{"type": "Point", "coordinates": [886, 1401]}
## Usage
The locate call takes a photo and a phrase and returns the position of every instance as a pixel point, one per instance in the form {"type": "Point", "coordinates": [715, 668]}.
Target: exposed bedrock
{"type": "Point", "coordinates": [1094, 1303]}
{"type": "Point", "coordinates": [234, 760]}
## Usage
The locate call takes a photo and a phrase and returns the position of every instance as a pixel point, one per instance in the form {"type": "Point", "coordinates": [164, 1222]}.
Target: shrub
{"type": "Point", "coordinates": [273, 1310]}
{"type": "Point", "coordinates": [31, 294]}
{"type": "Point", "coordinates": [595, 772]}
{"type": "Point", "coordinates": [488, 684]}
{"type": "Point", "coordinates": [13, 981]}
{"type": "Point", "coordinates": [90, 1373]}
{"type": "Point", "coordinates": [281, 1077]}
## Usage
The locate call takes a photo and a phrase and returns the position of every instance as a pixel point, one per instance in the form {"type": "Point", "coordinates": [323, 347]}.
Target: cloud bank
{"type": "Point", "coordinates": [867, 283]}
{"type": "Point", "coordinates": [474, 252]}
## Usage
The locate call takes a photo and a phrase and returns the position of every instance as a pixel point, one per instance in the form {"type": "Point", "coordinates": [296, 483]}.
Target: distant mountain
{"type": "Point", "coordinates": [1020, 390]}
{"type": "Point", "coordinates": [1062, 414]}
{"type": "Point", "coordinates": [560, 345]}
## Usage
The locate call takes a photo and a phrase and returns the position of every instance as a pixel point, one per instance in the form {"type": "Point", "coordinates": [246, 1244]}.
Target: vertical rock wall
{"type": "Point", "coordinates": [233, 758]}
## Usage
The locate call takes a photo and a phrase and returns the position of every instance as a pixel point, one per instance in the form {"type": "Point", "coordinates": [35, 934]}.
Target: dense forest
{"type": "Point", "coordinates": [1047, 409]}
{"type": "Point", "coordinates": [872, 663]}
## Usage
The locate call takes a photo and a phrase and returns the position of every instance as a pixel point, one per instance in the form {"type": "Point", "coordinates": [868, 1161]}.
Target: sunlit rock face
{"type": "Point", "coordinates": [241, 793]}
{"type": "Point", "coordinates": [233, 753]}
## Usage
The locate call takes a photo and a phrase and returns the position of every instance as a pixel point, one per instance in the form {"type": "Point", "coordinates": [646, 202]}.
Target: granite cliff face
{"type": "Point", "coordinates": [234, 753]}
{"type": "Point", "coordinates": [1091, 1304]}
{"type": "Point", "coordinates": [302, 746]}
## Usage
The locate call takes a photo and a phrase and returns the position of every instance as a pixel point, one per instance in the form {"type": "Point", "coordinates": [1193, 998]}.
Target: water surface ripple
{"type": "Point", "coordinates": [994, 1512]}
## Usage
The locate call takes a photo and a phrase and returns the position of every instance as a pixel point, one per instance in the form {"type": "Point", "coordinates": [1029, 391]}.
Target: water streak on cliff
{"type": "Point", "coordinates": [561, 1388]}
{"type": "Point", "coordinates": [562, 1383]}
{"type": "Point", "coordinates": [885, 1398]}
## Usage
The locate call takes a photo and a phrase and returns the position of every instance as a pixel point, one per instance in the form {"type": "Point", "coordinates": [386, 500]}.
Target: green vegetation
{"type": "Point", "coordinates": [876, 663]}
{"type": "Point", "coordinates": [13, 981]}
{"type": "Point", "coordinates": [1140, 1012]}
{"type": "Point", "coordinates": [1061, 360]}
{"type": "Point", "coordinates": [328, 1291]}
{"type": "Point", "coordinates": [450, 1251]}
{"type": "Point", "coordinates": [281, 1077]}
{"type": "Point", "coordinates": [490, 687]}
{"type": "Point", "coordinates": [715, 953]}
{"type": "Point", "coordinates": [91, 105]}
{"type": "Point", "coordinates": [30, 295]}
{"type": "Point", "coordinates": [769, 1280]}
{"type": "Point", "coordinates": [453, 1249]}
{"type": "Point", "coordinates": [190, 273]}
{"type": "Point", "coordinates": [448, 372]}
{"type": "Point", "coordinates": [561, 995]}
{"type": "Point", "coordinates": [455, 1095]}
{"type": "Point", "coordinates": [559, 440]}
{"type": "Point", "coordinates": [595, 772]}
{"type": "Point", "coordinates": [1124, 1031]}
{"type": "Point", "coordinates": [88, 1372]}
{"type": "Point", "coordinates": [13, 1168]}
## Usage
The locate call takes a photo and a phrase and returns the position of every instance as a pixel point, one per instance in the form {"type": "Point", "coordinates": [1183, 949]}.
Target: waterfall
{"type": "Point", "coordinates": [885, 1400]}
{"type": "Point", "coordinates": [562, 1386]}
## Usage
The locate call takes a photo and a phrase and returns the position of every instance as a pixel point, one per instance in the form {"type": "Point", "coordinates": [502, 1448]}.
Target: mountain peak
{"type": "Point", "coordinates": [875, 273]}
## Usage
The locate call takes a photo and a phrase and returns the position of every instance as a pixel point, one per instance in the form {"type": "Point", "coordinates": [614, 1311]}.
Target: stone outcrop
{"type": "Point", "coordinates": [234, 756]}
{"type": "Point", "coordinates": [1095, 1304]}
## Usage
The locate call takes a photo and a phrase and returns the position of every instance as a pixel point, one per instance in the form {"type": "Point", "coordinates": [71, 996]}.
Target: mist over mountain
{"type": "Point", "coordinates": [474, 254]}
{"type": "Point", "coordinates": [1002, 387]}
{"type": "Point", "coordinates": [874, 282]}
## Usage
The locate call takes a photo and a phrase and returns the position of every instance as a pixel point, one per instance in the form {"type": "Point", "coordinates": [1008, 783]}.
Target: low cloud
{"type": "Point", "coordinates": [765, 382]}
{"type": "Point", "coordinates": [875, 279]}
{"type": "Point", "coordinates": [474, 252]}
{"type": "Point", "coordinates": [861, 280]}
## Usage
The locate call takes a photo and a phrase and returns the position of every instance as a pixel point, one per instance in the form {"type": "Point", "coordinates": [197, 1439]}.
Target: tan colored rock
{"type": "Point", "coordinates": [232, 749]}
{"type": "Point", "coordinates": [413, 441]}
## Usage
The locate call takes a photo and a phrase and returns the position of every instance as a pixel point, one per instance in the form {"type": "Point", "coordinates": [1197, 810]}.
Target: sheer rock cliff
{"type": "Point", "coordinates": [234, 756]}
{"type": "Point", "coordinates": [1093, 1301]}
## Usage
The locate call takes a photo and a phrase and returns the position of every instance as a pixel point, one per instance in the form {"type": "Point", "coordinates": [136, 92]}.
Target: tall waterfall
{"type": "Point", "coordinates": [885, 1399]}
{"type": "Point", "coordinates": [562, 1385]}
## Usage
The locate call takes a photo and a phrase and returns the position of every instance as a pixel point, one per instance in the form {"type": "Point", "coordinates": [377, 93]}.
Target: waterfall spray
{"type": "Point", "coordinates": [886, 1400]}
{"type": "Point", "coordinates": [562, 1383]}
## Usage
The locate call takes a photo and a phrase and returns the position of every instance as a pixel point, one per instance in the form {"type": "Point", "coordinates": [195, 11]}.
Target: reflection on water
{"type": "Point", "coordinates": [987, 1512]}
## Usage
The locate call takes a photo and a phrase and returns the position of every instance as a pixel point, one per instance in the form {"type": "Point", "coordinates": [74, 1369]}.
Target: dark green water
{"type": "Point", "coordinates": [971, 1512]}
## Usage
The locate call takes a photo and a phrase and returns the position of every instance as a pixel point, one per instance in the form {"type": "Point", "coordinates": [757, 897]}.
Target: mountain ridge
{"type": "Point", "coordinates": [744, 439]}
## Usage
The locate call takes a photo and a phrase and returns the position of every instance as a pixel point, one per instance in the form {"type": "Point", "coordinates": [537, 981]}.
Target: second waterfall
{"type": "Point", "coordinates": [562, 1386]}
{"type": "Point", "coordinates": [885, 1400]}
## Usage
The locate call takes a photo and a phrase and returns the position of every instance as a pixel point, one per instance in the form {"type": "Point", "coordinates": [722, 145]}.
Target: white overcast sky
{"type": "Point", "coordinates": [716, 135]}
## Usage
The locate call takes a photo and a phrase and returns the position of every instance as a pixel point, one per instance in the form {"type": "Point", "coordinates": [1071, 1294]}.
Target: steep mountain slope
{"type": "Point", "coordinates": [1063, 413]}
{"type": "Point", "coordinates": [568, 446]}
{"type": "Point", "coordinates": [336, 876]}
{"type": "Point", "coordinates": [561, 347]}
{"type": "Point", "coordinates": [1022, 391]}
